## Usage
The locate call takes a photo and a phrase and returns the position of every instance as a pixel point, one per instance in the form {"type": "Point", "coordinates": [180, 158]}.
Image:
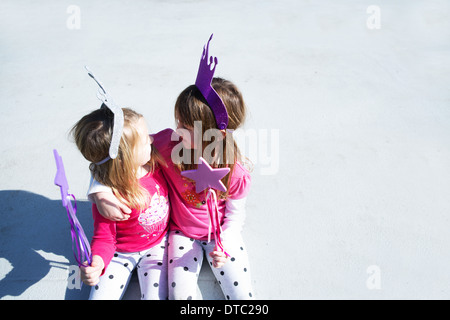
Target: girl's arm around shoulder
{"type": "Point", "coordinates": [106, 202]}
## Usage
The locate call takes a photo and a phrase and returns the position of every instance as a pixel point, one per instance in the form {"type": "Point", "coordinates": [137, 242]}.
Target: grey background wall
{"type": "Point", "coordinates": [348, 132]}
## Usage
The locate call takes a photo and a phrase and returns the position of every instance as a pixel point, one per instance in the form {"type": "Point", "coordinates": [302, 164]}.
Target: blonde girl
{"type": "Point", "coordinates": [136, 180]}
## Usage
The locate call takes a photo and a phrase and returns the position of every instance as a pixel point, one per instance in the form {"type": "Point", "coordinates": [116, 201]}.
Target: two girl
{"type": "Point", "coordinates": [189, 223]}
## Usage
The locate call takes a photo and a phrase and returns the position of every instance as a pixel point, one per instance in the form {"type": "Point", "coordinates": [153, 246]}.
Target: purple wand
{"type": "Point", "coordinates": [206, 177]}
{"type": "Point", "coordinates": [80, 245]}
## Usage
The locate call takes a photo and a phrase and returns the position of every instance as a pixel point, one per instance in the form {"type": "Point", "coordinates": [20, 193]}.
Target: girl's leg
{"type": "Point", "coordinates": [185, 262]}
{"type": "Point", "coordinates": [152, 272]}
{"type": "Point", "coordinates": [234, 277]}
{"type": "Point", "coordinates": [114, 281]}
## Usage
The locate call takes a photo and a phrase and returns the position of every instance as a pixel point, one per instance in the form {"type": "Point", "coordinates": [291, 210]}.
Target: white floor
{"type": "Point", "coordinates": [349, 132]}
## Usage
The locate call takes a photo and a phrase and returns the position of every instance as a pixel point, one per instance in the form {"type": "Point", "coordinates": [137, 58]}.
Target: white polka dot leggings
{"type": "Point", "coordinates": [151, 269]}
{"type": "Point", "coordinates": [185, 262]}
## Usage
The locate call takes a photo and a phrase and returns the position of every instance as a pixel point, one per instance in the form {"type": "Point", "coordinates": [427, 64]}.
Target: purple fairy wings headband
{"type": "Point", "coordinates": [107, 100]}
{"type": "Point", "coordinates": [203, 83]}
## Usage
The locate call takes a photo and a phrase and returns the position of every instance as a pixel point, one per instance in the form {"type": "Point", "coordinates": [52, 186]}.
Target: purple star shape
{"type": "Point", "coordinates": [205, 176]}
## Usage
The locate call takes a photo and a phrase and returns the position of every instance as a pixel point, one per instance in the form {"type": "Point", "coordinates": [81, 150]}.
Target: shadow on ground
{"type": "Point", "coordinates": [31, 224]}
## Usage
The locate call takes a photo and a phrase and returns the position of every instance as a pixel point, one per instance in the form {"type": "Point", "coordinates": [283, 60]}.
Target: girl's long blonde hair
{"type": "Point", "coordinates": [92, 136]}
{"type": "Point", "coordinates": [191, 106]}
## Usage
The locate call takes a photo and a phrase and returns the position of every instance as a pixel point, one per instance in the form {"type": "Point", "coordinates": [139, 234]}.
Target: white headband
{"type": "Point", "coordinates": [118, 119]}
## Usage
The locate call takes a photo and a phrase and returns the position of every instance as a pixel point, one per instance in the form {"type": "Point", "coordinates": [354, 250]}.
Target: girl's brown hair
{"type": "Point", "coordinates": [92, 136]}
{"type": "Point", "coordinates": [191, 106]}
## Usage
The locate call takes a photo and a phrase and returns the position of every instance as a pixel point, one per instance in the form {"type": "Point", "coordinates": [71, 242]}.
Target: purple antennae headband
{"type": "Point", "coordinates": [203, 83]}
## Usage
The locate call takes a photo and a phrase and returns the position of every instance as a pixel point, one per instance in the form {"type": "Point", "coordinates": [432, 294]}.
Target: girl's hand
{"type": "Point", "coordinates": [91, 275]}
{"type": "Point", "coordinates": [219, 258]}
{"type": "Point", "coordinates": [110, 207]}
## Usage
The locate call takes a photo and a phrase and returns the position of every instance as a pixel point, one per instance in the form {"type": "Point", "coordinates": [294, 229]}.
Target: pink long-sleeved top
{"type": "Point", "coordinates": [188, 209]}
{"type": "Point", "coordinates": [141, 231]}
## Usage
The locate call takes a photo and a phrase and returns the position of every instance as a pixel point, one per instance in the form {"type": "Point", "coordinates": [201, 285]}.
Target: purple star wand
{"type": "Point", "coordinates": [80, 245]}
{"type": "Point", "coordinates": [206, 177]}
